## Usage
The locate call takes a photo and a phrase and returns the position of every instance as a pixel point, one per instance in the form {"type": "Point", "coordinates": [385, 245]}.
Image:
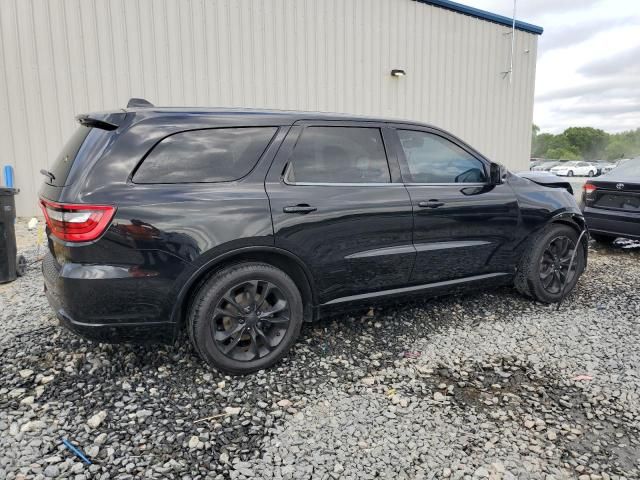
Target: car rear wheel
{"type": "Point", "coordinates": [602, 238]}
{"type": "Point", "coordinates": [545, 271]}
{"type": "Point", "coordinates": [591, 174]}
{"type": "Point", "coordinates": [570, 173]}
{"type": "Point", "coordinates": [245, 318]}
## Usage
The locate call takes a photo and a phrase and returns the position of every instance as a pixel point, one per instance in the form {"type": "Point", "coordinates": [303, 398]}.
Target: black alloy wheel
{"type": "Point", "coordinates": [543, 272]}
{"type": "Point", "coordinates": [245, 317]}
{"type": "Point", "coordinates": [555, 262]}
{"type": "Point", "coordinates": [250, 320]}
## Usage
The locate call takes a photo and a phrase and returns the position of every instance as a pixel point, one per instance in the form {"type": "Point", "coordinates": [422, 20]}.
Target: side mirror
{"type": "Point", "coordinates": [496, 173]}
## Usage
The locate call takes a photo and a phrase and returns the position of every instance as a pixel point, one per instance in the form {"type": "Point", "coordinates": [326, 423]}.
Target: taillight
{"type": "Point", "coordinates": [589, 188]}
{"type": "Point", "coordinates": [77, 222]}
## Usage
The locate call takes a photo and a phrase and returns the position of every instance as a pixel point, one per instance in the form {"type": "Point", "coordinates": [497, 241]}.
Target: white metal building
{"type": "Point", "coordinates": [59, 58]}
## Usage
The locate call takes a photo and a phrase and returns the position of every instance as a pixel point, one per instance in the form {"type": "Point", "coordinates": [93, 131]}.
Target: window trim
{"type": "Point", "coordinates": [341, 124]}
{"type": "Point", "coordinates": [453, 184]}
{"type": "Point", "coordinates": [404, 166]}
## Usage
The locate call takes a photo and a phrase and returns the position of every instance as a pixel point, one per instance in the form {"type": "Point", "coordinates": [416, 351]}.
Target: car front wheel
{"type": "Point", "coordinates": [591, 174]}
{"type": "Point", "coordinates": [570, 173]}
{"type": "Point", "coordinates": [546, 272]}
{"type": "Point", "coordinates": [245, 317]}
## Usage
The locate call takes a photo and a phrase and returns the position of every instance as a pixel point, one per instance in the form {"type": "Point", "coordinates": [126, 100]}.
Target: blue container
{"type": "Point", "coordinates": [8, 176]}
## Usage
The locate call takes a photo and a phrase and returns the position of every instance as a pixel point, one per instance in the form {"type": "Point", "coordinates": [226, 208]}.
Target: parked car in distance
{"type": "Point", "coordinates": [236, 226]}
{"type": "Point", "coordinates": [534, 163]}
{"type": "Point", "coordinates": [545, 166]}
{"type": "Point", "coordinates": [574, 168]}
{"type": "Point", "coordinates": [606, 168]}
{"type": "Point", "coordinates": [611, 203]}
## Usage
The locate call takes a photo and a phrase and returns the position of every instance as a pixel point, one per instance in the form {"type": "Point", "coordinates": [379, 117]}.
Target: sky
{"type": "Point", "coordinates": [588, 70]}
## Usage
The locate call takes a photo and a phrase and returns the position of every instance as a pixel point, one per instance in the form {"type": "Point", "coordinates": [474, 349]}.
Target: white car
{"type": "Point", "coordinates": [544, 166]}
{"type": "Point", "coordinates": [569, 169]}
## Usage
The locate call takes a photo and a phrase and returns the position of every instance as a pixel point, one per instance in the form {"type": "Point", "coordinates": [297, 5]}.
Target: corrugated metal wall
{"type": "Point", "coordinates": [59, 58]}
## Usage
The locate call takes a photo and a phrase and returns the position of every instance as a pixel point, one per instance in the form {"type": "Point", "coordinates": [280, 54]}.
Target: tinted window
{"type": "Point", "coordinates": [217, 155]}
{"type": "Point", "coordinates": [64, 161]}
{"type": "Point", "coordinates": [339, 155]}
{"type": "Point", "coordinates": [434, 159]}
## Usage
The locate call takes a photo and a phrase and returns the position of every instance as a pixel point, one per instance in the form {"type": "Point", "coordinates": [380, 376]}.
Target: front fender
{"type": "Point", "coordinates": [541, 206]}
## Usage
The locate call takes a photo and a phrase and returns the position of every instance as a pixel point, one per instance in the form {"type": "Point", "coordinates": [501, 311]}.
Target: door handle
{"type": "Point", "coordinates": [431, 204]}
{"type": "Point", "coordinates": [301, 208]}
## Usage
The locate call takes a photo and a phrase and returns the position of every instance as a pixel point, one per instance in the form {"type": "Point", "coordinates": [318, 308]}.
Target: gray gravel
{"type": "Point", "coordinates": [489, 385]}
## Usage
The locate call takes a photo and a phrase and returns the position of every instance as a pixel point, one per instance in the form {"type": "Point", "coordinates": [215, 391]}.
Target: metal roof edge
{"type": "Point", "coordinates": [483, 15]}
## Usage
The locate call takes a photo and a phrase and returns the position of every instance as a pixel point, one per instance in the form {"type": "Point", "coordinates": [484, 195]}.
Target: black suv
{"type": "Point", "coordinates": [236, 226]}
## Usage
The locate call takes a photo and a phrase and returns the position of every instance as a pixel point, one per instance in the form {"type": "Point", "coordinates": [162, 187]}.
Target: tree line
{"type": "Point", "coordinates": [585, 143]}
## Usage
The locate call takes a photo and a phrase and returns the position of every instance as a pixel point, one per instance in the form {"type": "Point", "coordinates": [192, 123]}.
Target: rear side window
{"type": "Point", "coordinates": [64, 161]}
{"type": "Point", "coordinates": [203, 156]}
{"type": "Point", "coordinates": [434, 159]}
{"type": "Point", "coordinates": [339, 155]}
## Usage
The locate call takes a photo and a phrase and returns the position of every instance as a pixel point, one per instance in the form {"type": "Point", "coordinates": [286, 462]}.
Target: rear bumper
{"type": "Point", "coordinates": [613, 222]}
{"type": "Point", "coordinates": [105, 307]}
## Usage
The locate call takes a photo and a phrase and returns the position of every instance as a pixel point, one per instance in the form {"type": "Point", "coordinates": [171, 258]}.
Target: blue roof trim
{"type": "Point", "coordinates": [484, 15]}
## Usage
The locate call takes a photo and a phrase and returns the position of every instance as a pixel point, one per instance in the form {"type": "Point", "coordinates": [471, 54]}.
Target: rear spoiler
{"type": "Point", "coordinates": [88, 121]}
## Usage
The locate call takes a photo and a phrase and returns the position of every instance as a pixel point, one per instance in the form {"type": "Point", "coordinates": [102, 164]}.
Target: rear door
{"type": "Point", "coordinates": [338, 203]}
{"type": "Point", "coordinates": [463, 226]}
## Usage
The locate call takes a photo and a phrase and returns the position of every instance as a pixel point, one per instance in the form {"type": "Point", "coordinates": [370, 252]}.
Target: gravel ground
{"type": "Point", "coordinates": [489, 385]}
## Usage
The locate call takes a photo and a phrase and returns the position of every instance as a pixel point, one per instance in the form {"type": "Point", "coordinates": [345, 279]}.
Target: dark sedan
{"type": "Point", "coordinates": [611, 204]}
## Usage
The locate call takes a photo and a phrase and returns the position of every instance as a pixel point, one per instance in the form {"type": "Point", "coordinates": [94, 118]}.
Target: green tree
{"type": "Point", "coordinates": [623, 145]}
{"type": "Point", "coordinates": [562, 154]}
{"type": "Point", "coordinates": [541, 144]}
{"type": "Point", "coordinates": [589, 142]}
{"type": "Point", "coordinates": [616, 150]}
{"type": "Point", "coordinates": [585, 142]}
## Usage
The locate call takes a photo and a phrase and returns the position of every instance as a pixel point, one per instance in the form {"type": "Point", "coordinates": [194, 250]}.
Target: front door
{"type": "Point", "coordinates": [463, 225]}
{"type": "Point", "coordinates": [340, 206]}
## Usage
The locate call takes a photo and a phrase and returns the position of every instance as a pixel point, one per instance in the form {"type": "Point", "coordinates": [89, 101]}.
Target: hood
{"type": "Point", "coordinates": [547, 179]}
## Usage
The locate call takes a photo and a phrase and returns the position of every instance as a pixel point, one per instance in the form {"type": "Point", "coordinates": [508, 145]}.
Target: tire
{"type": "Point", "coordinates": [590, 174]}
{"type": "Point", "coordinates": [255, 339]}
{"type": "Point", "coordinates": [602, 238]}
{"type": "Point", "coordinates": [531, 269]}
{"type": "Point", "coordinates": [570, 173]}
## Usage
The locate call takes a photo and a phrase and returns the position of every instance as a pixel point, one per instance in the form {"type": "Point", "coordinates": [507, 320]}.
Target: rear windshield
{"type": "Point", "coordinates": [630, 168]}
{"type": "Point", "coordinates": [197, 156]}
{"type": "Point", "coordinates": [64, 161]}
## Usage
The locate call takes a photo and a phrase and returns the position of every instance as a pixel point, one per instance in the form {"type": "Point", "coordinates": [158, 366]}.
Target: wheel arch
{"type": "Point", "coordinates": [577, 223]}
{"type": "Point", "coordinates": [280, 258]}
{"type": "Point", "coordinates": [570, 219]}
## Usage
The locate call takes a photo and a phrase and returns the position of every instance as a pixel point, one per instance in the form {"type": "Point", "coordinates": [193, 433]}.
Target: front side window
{"type": "Point", "coordinates": [339, 155]}
{"type": "Point", "coordinates": [202, 156]}
{"type": "Point", "coordinates": [434, 159]}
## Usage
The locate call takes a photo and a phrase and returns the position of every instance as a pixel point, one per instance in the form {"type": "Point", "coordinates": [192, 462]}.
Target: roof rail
{"type": "Point", "coordinates": [139, 103]}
